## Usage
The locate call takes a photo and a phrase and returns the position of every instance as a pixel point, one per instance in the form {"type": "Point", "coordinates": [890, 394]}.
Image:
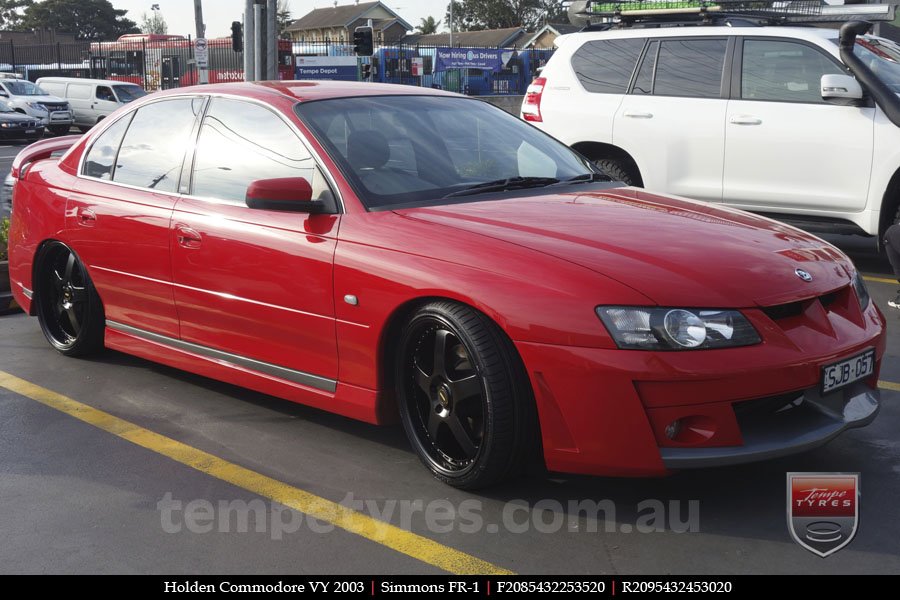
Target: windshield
{"type": "Point", "coordinates": [882, 57]}
{"type": "Point", "coordinates": [429, 150]}
{"type": "Point", "coordinates": [24, 88]}
{"type": "Point", "coordinates": [127, 93]}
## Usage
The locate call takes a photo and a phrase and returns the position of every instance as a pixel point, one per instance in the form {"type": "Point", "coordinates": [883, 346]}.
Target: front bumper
{"type": "Point", "coordinates": [812, 422]}
{"type": "Point", "coordinates": [606, 411]}
{"type": "Point", "coordinates": [59, 118]}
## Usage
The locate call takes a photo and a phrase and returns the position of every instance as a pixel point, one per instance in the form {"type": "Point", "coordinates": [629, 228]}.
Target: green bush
{"type": "Point", "coordinates": [4, 239]}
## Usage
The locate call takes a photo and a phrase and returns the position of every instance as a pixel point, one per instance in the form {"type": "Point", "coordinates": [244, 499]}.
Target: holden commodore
{"type": "Point", "coordinates": [392, 253]}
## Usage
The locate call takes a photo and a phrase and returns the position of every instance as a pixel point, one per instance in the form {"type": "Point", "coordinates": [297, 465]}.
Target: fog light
{"type": "Point", "coordinates": [673, 429]}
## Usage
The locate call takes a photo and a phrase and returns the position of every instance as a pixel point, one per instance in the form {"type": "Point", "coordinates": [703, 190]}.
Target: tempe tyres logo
{"type": "Point", "coordinates": [823, 510]}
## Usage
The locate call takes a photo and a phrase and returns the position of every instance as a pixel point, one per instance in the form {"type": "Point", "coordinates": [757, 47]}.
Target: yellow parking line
{"type": "Point", "coordinates": [404, 542]}
{"type": "Point", "coordinates": [889, 385]}
{"type": "Point", "coordinates": [880, 279]}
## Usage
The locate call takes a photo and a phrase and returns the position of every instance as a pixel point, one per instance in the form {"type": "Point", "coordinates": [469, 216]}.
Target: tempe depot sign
{"type": "Point", "coordinates": [471, 58]}
{"type": "Point", "coordinates": [340, 68]}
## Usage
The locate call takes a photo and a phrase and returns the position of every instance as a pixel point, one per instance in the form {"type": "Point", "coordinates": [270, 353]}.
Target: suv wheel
{"type": "Point", "coordinates": [619, 171]}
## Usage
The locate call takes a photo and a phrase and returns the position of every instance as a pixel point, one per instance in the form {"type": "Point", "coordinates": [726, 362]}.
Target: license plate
{"type": "Point", "coordinates": [30, 131]}
{"type": "Point", "coordinates": [845, 372]}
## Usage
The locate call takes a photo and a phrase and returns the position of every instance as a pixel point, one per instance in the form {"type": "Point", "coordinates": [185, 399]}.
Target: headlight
{"type": "Point", "coordinates": [638, 328]}
{"type": "Point", "coordinates": [4, 125]}
{"type": "Point", "coordinates": [862, 292]}
{"type": "Point", "coordinates": [37, 107]}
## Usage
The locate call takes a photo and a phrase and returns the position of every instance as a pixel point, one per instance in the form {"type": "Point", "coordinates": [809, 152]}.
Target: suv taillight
{"type": "Point", "coordinates": [531, 108]}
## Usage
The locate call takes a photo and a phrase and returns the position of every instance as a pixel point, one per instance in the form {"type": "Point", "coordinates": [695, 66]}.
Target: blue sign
{"type": "Point", "coordinates": [486, 59]}
{"type": "Point", "coordinates": [335, 68]}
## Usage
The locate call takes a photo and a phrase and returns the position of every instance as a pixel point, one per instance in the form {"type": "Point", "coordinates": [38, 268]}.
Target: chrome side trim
{"type": "Point", "coordinates": [313, 381]}
{"type": "Point", "coordinates": [28, 293]}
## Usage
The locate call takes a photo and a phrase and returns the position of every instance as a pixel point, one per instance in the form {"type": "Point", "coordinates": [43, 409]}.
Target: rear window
{"type": "Point", "coordinates": [605, 66]}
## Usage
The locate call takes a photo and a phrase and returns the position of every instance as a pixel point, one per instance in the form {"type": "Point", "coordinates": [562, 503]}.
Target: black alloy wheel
{"type": "Point", "coordinates": [465, 402]}
{"type": "Point", "coordinates": [68, 307]}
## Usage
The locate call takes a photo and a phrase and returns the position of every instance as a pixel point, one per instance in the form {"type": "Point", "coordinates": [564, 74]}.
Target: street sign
{"type": "Point", "coordinates": [201, 53]}
{"type": "Point", "coordinates": [418, 66]}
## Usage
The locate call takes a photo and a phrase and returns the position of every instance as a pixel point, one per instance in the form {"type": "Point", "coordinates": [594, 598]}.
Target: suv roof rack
{"type": "Point", "coordinates": [605, 14]}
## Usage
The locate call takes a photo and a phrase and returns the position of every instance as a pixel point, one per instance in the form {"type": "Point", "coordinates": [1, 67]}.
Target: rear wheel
{"type": "Point", "coordinates": [68, 307]}
{"type": "Point", "coordinates": [465, 401]}
{"type": "Point", "coordinates": [619, 171]}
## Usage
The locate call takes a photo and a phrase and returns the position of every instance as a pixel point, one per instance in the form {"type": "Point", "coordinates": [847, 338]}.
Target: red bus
{"type": "Point", "coordinates": [166, 61]}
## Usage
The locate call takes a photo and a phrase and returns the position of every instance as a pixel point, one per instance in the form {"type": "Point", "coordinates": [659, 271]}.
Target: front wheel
{"type": "Point", "coordinates": [68, 307]}
{"type": "Point", "coordinates": [59, 129]}
{"type": "Point", "coordinates": [465, 402]}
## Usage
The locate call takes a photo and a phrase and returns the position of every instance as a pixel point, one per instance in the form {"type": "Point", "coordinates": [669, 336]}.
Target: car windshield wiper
{"type": "Point", "coordinates": [502, 185]}
{"type": "Point", "coordinates": [586, 178]}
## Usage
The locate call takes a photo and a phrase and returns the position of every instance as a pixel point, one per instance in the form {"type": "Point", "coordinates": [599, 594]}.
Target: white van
{"type": "Point", "coordinates": [92, 100]}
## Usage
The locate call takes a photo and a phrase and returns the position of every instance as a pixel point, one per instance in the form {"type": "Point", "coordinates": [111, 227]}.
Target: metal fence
{"type": "Point", "coordinates": [475, 71]}
{"type": "Point", "coordinates": [170, 63]}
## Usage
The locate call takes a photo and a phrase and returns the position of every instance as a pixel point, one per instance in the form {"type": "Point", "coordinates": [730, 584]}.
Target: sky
{"type": "Point", "coordinates": [219, 14]}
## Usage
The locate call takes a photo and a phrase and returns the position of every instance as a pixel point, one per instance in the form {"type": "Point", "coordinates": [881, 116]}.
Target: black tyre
{"type": "Point", "coordinates": [619, 171]}
{"type": "Point", "coordinates": [59, 129]}
{"type": "Point", "coordinates": [465, 401]}
{"type": "Point", "coordinates": [68, 307]}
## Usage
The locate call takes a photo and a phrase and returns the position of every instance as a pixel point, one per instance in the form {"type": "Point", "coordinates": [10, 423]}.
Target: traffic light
{"type": "Point", "coordinates": [366, 71]}
{"type": "Point", "coordinates": [364, 41]}
{"type": "Point", "coordinates": [237, 36]}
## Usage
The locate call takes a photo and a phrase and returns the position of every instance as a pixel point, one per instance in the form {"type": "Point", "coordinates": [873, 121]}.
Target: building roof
{"type": "Point", "coordinates": [475, 39]}
{"type": "Point", "coordinates": [557, 28]}
{"type": "Point", "coordinates": [340, 16]}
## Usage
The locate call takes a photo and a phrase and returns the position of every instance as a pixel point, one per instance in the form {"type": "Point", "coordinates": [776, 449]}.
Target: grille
{"type": "Point", "coordinates": [54, 106]}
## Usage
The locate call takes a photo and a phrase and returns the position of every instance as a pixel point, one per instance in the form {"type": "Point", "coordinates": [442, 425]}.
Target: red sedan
{"type": "Point", "coordinates": [384, 252]}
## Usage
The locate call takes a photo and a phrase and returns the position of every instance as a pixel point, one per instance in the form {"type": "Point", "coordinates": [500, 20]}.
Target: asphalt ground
{"type": "Point", "coordinates": [117, 465]}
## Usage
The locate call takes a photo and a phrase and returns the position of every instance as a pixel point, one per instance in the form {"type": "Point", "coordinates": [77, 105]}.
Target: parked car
{"type": "Point", "coordinates": [773, 119]}
{"type": "Point", "coordinates": [386, 251]}
{"type": "Point", "coordinates": [16, 126]}
{"type": "Point", "coordinates": [27, 98]}
{"type": "Point", "coordinates": [92, 100]}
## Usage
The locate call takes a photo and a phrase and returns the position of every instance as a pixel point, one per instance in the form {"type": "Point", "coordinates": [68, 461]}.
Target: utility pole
{"type": "Point", "coordinates": [249, 41]}
{"type": "Point", "coordinates": [259, 72]}
{"type": "Point", "coordinates": [452, 2]}
{"type": "Point", "coordinates": [272, 40]}
{"type": "Point", "coordinates": [203, 68]}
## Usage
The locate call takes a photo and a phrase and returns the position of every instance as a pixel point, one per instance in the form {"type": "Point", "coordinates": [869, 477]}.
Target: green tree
{"type": "Point", "coordinates": [284, 17]}
{"type": "Point", "coordinates": [476, 15]}
{"type": "Point", "coordinates": [11, 12]}
{"type": "Point", "coordinates": [428, 26]}
{"type": "Point", "coordinates": [87, 19]}
{"type": "Point", "coordinates": [155, 22]}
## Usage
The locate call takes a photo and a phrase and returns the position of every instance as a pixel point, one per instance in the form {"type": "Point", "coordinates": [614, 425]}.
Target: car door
{"type": "Point", "coordinates": [104, 103]}
{"type": "Point", "coordinates": [118, 216]}
{"type": "Point", "coordinates": [671, 121]}
{"type": "Point", "coordinates": [785, 147]}
{"type": "Point", "coordinates": [255, 284]}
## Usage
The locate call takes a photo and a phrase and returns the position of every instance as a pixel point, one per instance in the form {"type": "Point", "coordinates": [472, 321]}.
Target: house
{"type": "Point", "coordinates": [487, 38]}
{"type": "Point", "coordinates": [545, 38]}
{"type": "Point", "coordinates": [337, 23]}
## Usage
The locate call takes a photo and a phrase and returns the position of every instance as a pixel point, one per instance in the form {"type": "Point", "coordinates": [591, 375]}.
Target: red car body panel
{"type": "Point", "coordinates": [270, 287]}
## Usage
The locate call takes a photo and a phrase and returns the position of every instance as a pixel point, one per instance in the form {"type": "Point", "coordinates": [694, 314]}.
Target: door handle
{"type": "Point", "coordinates": [745, 120]}
{"type": "Point", "coordinates": [637, 115]}
{"type": "Point", "coordinates": [187, 237]}
{"type": "Point", "coordinates": [87, 217]}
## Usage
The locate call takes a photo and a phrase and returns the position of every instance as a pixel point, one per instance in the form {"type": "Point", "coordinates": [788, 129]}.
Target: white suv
{"type": "Point", "coordinates": [769, 119]}
{"type": "Point", "coordinates": [25, 97]}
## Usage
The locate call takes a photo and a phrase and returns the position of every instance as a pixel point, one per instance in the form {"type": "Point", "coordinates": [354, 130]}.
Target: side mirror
{"type": "Point", "coordinates": [842, 87]}
{"type": "Point", "coordinates": [287, 193]}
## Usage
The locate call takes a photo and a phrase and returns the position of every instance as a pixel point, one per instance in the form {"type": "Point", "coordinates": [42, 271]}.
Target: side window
{"type": "Point", "coordinates": [102, 155]}
{"type": "Point", "coordinates": [605, 66]}
{"type": "Point", "coordinates": [241, 142]}
{"type": "Point", "coordinates": [105, 93]}
{"type": "Point", "coordinates": [643, 84]}
{"type": "Point", "coordinates": [690, 68]}
{"type": "Point", "coordinates": [153, 149]}
{"type": "Point", "coordinates": [783, 71]}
